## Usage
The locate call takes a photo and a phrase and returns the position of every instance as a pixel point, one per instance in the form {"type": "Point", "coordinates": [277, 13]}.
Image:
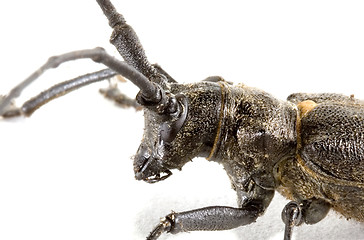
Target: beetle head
{"type": "Point", "coordinates": [171, 140]}
{"type": "Point", "coordinates": [179, 119]}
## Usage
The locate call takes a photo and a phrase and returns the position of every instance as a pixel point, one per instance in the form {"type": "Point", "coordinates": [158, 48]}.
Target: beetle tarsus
{"type": "Point", "coordinates": [164, 226]}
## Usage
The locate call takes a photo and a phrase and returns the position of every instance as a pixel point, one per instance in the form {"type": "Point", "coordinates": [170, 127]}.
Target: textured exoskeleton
{"type": "Point", "coordinates": [308, 148]}
{"type": "Point", "coordinates": [329, 159]}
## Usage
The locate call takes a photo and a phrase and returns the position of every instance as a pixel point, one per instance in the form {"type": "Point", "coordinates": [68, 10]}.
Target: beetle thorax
{"type": "Point", "coordinates": [257, 131]}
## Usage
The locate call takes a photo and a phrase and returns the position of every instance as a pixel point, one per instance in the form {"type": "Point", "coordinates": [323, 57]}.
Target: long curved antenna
{"type": "Point", "coordinates": [56, 91]}
{"type": "Point", "coordinates": [52, 62]}
{"type": "Point", "coordinates": [127, 42]}
{"type": "Point", "coordinates": [63, 88]}
{"type": "Point", "coordinates": [138, 70]}
{"type": "Point", "coordinates": [149, 92]}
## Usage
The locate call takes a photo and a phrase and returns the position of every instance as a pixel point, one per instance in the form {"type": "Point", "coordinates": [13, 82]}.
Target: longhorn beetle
{"type": "Point", "coordinates": [261, 132]}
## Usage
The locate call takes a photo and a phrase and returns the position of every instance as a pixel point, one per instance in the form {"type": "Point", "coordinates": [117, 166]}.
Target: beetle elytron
{"type": "Point", "coordinates": [308, 148]}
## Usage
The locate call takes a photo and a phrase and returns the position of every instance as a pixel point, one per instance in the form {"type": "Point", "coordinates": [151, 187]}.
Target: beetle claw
{"type": "Point", "coordinates": [164, 226]}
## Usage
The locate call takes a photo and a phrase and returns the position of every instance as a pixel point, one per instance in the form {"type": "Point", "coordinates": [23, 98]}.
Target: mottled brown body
{"type": "Point", "coordinates": [309, 147]}
{"type": "Point", "coordinates": [258, 131]}
{"type": "Point", "coordinates": [329, 161]}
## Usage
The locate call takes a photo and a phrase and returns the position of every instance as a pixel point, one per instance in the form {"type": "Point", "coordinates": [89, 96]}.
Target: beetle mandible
{"type": "Point", "coordinates": [261, 133]}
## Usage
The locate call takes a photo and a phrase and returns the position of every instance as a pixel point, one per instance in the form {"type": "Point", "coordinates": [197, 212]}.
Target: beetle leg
{"type": "Point", "coordinates": [165, 225]}
{"type": "Point", "coordinates": [113, 93]}
{"type": "Point", "coordinates": [216, 217]}
{"type": "Point", "coordinates": [208, 218]}
{"type": "Point", "coordinates": [308, 211]}
{"type": "Point", "coordinates": [291, 216]}
{"type": "Point", "coordinates": [314, 210]}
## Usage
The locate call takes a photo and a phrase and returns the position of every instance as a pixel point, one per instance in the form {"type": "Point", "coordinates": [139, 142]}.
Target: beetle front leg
{"type": "Point", "coordinates": [253, 204]}
{"type": "Point", "coordinates": [206, 219]}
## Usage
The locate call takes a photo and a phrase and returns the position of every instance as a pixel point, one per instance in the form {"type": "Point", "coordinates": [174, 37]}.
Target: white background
{"type": "Point", "coordinates": [66, 172]}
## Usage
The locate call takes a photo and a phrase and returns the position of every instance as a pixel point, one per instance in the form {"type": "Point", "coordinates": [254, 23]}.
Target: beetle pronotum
{"type": "Point", "coordinates": [59, 185]}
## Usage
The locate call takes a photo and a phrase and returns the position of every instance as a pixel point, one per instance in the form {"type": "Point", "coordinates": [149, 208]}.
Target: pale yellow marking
{"type": "Point", "coordinates": [306, 107]}
{"type": "Point", "coordinates": [303, 107]}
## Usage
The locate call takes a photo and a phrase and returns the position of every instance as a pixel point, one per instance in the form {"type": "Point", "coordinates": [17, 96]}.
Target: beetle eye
{"type": "Point", "coordinates": [169, 129]}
